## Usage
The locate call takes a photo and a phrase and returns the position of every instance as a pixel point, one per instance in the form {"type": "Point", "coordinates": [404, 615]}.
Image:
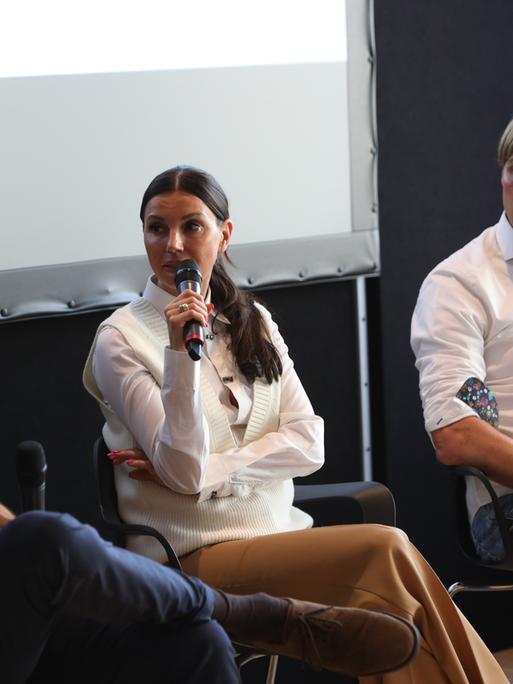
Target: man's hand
{"type": "Point", "coordinates": [472, 441]}
{"type": "Point", "coordinates": [5, 515]}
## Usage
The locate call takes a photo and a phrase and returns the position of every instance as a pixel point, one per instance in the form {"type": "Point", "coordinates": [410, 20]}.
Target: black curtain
{"type": "Point", "coordinates": [444, 96]}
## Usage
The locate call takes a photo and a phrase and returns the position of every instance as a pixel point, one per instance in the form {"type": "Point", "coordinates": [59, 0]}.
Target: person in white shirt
{"type": "Point", "coordinates": [206, 451]}
{"type": "Point", "coordinates": [462, 337]}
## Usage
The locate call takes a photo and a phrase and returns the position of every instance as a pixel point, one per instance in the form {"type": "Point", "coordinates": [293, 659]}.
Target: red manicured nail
{"type": "Point", "coordinates": [130, 462]}
{"type": "Point", "coordinates": [111, 453]}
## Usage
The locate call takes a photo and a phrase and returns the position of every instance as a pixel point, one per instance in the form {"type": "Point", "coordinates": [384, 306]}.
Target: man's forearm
{"type": "Point", "coordinates": [5, 515]}
{"type": "Point", "coordinates": [474, 442]}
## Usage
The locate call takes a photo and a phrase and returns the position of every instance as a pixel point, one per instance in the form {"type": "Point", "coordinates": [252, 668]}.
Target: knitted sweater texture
{"type": "Point", "coordinates": [187, 523]}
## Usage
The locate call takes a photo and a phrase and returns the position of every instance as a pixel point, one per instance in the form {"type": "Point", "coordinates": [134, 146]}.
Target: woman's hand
{"type": "Point", "coordinates": [188, 306]}
{"type": "Point", "coordinates": [136, 459]}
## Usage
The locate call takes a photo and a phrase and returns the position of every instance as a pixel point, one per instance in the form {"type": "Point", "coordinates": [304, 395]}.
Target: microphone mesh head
{"type": "Point", "coordinates": [187, 269]}
{"type": "Point", "coordinates": [30, 464]}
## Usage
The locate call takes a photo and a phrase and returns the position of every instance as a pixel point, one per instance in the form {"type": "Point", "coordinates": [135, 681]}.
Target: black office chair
{"type": "Point", "coordinates": [108, 502]}
{"type": "Point", "coordinates": [329, 504]}
{"type": "Point", "coordinates": [458, 483]}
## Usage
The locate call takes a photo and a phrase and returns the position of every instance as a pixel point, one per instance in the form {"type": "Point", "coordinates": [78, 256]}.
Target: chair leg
{"type": "Point", "coordinates": [272, 669]}
{"type": "Point", "coordinates": [245, 655]}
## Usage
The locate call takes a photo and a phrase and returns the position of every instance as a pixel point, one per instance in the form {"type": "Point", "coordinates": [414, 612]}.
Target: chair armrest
{"type": "Point", "coordinates": [123, 530]}
{"type": "Point", "coordinates": [470, 471]}
{"type": "Point", "coordinates": [107, 499]}
{"type": "Point", "coordinates": [346, 503]}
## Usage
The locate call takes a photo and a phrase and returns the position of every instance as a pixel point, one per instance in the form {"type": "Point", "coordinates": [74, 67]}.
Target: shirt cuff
{"type": "Point", "coordinates": [180, 370]}
{"type": "Point", "coordinates": [215, 491]}
{"type": "Point", "coordinates": [442, 414]}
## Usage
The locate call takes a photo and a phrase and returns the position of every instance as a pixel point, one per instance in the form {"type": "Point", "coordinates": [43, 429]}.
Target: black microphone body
{"type": "Point", "coordinates": [188, 277]}
{"type": "Point", "coordinates": [31, 474]}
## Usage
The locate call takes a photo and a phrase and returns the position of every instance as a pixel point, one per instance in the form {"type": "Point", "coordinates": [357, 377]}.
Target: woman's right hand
{"type": "Point", "coordinates": [188, 306]}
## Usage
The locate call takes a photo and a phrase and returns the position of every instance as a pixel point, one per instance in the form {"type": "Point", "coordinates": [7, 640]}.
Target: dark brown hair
{"type": "Point", "coordinates": [250, 344]}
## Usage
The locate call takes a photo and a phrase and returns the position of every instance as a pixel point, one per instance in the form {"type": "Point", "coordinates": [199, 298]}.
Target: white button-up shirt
{"type": "Point", "coordinates": [169, 425]}
{"type": "Point", "coordinates": [462, 327]}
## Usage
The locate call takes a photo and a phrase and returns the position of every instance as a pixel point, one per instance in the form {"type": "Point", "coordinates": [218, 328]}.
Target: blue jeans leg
{"type": "Point", "coordinates": [56, 571]}
{"type": "Point", "coordinates": [485, 532]}
{"type": "Point", "coordinates": [82, 651]}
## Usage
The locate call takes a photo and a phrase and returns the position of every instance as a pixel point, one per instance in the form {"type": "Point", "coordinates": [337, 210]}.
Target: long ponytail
{"type": "Point", "coordinates": [250, 344]}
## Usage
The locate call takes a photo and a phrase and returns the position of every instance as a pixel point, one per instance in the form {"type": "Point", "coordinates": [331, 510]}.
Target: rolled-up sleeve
{"type": "Point", "coordinates": [447, 337]}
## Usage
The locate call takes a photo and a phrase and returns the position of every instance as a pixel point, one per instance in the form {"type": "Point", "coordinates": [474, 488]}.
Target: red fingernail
{"type": "Point", "coordinates": [113, 452]}
{"type": "Point", "coordinates": [130, 462]}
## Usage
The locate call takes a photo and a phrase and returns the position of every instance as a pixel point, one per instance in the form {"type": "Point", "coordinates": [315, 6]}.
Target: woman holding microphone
{"type": "Point", "coordinates": [206, 450]}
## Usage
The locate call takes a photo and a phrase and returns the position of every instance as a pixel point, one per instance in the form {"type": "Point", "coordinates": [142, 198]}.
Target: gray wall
{"type": "Point", "coordinates": [98, 139]}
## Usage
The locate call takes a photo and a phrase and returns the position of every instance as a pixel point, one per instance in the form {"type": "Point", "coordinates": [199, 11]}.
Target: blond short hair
{"type": "Point", "coordinates": [505, 150]}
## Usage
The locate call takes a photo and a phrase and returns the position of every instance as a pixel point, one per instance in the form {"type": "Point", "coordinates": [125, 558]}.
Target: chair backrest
{"type": "Point", "coordinates": [106, 488]}
{"type": "Point", "coordinates": [108, 502]}
{"type": "Point", "coordinates": [459, 504]}
{"type": "Point", "coordinates": [346, 503]}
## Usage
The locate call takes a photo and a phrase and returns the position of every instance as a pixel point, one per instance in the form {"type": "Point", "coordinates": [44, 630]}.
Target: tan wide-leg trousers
{"type": "Point", "coordinates": [365, 566]}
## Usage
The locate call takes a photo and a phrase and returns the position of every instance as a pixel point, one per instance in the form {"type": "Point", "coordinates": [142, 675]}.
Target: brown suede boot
{"type": "Point", "coordinates": [352, 641]}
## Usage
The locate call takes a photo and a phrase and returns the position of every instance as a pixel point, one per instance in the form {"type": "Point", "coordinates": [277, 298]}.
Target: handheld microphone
{"type": "Point", "coordinates": [188, 277]}
{"type": "Point", "coordinates": [31, 474]}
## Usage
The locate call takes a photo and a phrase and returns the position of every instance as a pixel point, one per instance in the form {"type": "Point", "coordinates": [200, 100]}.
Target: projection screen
{"type": "Point", "coordinates": [275, 98]}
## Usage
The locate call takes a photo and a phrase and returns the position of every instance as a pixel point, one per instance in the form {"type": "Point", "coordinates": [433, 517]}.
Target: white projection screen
{"type": "Point", "coordinates": [275, 98]}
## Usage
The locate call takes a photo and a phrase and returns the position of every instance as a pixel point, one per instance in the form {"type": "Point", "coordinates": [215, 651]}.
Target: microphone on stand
{"type": "Point", "coordinates": [188, 277]}
{"type": "Point", "coordinates": [31, 474]}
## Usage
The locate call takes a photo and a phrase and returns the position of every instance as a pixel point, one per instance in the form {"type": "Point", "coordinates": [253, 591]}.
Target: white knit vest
{"type": "Point", "coordinates": [185, 522]}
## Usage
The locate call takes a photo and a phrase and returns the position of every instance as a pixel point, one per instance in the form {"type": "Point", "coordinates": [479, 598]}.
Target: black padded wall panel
{"type": "Point", "coordinates": [42, 399]}
{"type": "Point", "coordinates": [318, 323]}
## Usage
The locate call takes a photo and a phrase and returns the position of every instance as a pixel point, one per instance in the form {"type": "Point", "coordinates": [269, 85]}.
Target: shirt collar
{"type": "Point", "coordinates": [505, 237]}
{"type": "Point", "coordinates": [159, 298]}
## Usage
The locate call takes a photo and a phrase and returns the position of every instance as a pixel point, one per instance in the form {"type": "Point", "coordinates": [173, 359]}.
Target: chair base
{"type": "Point", "coordinates": [272, 670]}
{"type": "Point", "coordinates": [457, 587]}
{"type": "Point", "coordinates": [245, 655]}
